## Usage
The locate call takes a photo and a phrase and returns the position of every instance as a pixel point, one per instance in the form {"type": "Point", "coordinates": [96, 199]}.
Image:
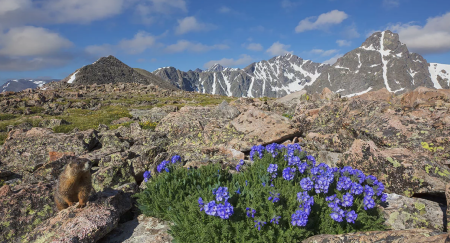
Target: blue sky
{"type": "Point", "coordinates": [52, 38]}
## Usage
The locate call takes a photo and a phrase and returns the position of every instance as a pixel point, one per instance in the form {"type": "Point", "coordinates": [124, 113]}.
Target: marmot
{"type": "Point", "coordinates": [74, 184]}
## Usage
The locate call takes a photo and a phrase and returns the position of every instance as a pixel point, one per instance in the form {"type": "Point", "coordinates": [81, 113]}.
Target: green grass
{"type": "Point", "coordinates": [3, 136]}
{"type": "Point", "coordinates": [5, 117]}
{"type": "Point", "coordinates": [87, 119]}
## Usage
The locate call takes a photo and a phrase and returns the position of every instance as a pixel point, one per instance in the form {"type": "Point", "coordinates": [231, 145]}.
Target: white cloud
{"type": "Point", "coordinates": [343, 42]}
{"type": "Point", "coordinates": [85, 11]}
{"type": "Point", "coordinates": [324, 20]}
{"type": "Point", "coordinates": [350, 32]}
{"type": "Point", "coordinates": [151, 8]}
{"type": "Point", "coordinates": [323, 52]}
{"type": "Point", "coordinates": [9, 63]}
{"type": "Point", "coordinates": [224, 9]}
{"type": "Point", "coordinates": [190, 24]}
{"type": "Point", "coordinates": [141, 41]}
{"type": "Point", "coordinates": [333, 59]}
{"type": "Point", "coordinates": [100, 50]}
{"type": "Point", "coordinates": [254, 47]}
{"type": "Point", "coordinates": [31, 41]}
{"type": "Point", "coordinates": [184, 45]}
{"type": "Point", "coordinates": [138, 44]}
{"type": "Point", "coordinates": [391, 3]}
{"type": "Point", "coordinates": [230, 62]}
{"type": "Point", "coordinates": [278, 49]}
{"type": "Point", "coordinates": [13, 5]}
{"type": "Point", "coordinates": [433, 37]}
{"type": "Point", "coordinates": [288, 4]}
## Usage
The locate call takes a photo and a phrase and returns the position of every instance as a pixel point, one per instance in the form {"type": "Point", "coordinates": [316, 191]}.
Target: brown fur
{"type": "Point", "coordinates": [74, 184]}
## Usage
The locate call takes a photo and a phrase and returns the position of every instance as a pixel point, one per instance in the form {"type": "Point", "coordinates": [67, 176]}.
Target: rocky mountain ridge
{"type": "Point", "coordinates": [382, 61]}
{"type": "Point", "coordinates": [112, 70]}
{"type": "Point", "coordinates": [275, 77]}
{"type": "Point", "coordinates": [17, 85]}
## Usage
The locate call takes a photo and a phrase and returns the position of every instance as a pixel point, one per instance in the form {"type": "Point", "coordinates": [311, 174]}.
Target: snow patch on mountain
{"type": "Point", "coordinates": [355, 94]}
{"type": "Point", "coordinates": [72, 78]}
{"type": "Point", "coordinates": [439, 71]}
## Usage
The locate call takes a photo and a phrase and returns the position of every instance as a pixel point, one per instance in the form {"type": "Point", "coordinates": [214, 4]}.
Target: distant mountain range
{"type": "Point", "coordinates": [17, 85]}
{"type": "Point", "coordinates": [382, 61]}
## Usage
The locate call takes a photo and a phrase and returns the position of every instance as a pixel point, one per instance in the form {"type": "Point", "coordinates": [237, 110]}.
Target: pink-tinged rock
{"type": "Point", "coordinates": [88, 224]}
{"type": "Point", "coordinates": [394, 236]}
{"type": "Point", "coordinates": [262, 127]}
{"type": "Point", "coordinates": [140, 230]}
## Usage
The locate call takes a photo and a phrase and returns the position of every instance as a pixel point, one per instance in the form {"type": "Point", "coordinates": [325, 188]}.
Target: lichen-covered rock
{"type": "Point", "coordinates": [261, 127]}
{"type": "Point", "coordinates": [27, 150]}
{"type": "Point", "coordinates": [51, 123]}
{"type": "Point", "coordinates": [402, 213]}
{"type": "Point", "coordinates": [138, 230]}
{"type": "Point", "coordinates": [394, 236]}
{"type": "Point", "coordinates": [405, 145]}
{"type": "Point", "coordinates": [153, 115]}
{"type": "Point", "coordinates": [87, 224]}
{"type": "Point", "coordinates": [23, 209]}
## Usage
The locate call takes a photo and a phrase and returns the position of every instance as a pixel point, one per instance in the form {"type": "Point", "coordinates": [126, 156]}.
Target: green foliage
{"type": "Point", "coordinates": [148, 125]}
{"type": "Point", "coordinates": [288, 115]}
{"type": "Point", "coordinates": [174, 196]}
{"type": "Point", "coordinates": [87, 119]}
{"type": "Point", "coordinates": [3, 136]}
{"type": "Point", "coordinates": [5, 117]}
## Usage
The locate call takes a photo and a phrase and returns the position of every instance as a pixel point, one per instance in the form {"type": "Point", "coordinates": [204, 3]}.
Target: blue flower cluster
{"type": "Point", "coordinates": [288, 173]}
{"type": "Point", "coordinates": [275, 219]}
{"type": "Point", "coordinates": [238, 166]}
{"type": "Point", "coordinates": [350, 182]}
{"type": "Point", "coordinates": [274, 197]}
{"type": "Point", "coordinates": [250, 212]}
{"type": "Point", "coordinates": [147, 175]}
{"type": "Point", "coordinates": [259, 224]}
{"type": "Point", "coordinates": [164, 166]}
{"type": "Point", "coordinates": [224, 211]}
{"type": "Point", "coordinates": [257, 149]}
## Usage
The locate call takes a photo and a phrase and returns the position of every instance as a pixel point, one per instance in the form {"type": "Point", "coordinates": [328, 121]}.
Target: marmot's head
{"type": "Point", "coordinates": [78, 165]}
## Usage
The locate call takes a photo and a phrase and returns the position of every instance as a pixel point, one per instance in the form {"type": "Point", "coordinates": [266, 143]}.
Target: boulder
{"type": "Point", "coordinates": [51, 123]}
{"type": "Point", "coordinates": [27, 150]}
{"type": "Point", "coordinates": [24, 209]}
{"type": "Point", "coordinates": [138, 230]}
{"type": "Point", "coordinates": [403, 213]}
{"type": "Point", "coordinates": [87, 224]}
{"type": "Point", "coordinates": [410, 236]}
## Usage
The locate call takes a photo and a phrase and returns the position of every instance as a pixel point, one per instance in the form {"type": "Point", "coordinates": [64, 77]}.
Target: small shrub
{"type": "Point", "coordinates": [148, 125]}
{"type": "Point", "coordinates": [283, 197]}
{"type": "Point", "coordinates": [289, 116]}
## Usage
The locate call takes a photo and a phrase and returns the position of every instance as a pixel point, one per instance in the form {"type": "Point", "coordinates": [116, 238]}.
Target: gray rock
{"type": "Point", "coordinates": [410, 213]}
{"type": "Point", "coordinates": [227, 111]}
{"type": "Point", "coordinates": [139, 230]}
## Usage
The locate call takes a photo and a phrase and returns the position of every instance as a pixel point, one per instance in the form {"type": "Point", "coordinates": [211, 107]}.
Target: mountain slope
{"type": "Point", "coordinates": [276, 77]}
{"type": "Point", "coordinates": [17, 85]}
{"type": "Point", "coordinates": [382, 61]}
{"type": "Point", "coordinates": [112, 70]}
{"type": "Point", "coordinates": [440, 75]}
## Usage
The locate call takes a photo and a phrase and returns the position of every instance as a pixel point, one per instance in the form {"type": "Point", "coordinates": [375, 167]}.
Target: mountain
{"type": "Point", "coordinates": [382, 61]}
{"type": "Point", "coordinates": [276, 77]}
{"type": "Point", "coordinates": [17, 85]}
{"type": "Point", "coordinates": [112, 70]}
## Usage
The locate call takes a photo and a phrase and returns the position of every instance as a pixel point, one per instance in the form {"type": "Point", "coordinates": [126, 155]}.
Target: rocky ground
{"type": "Point", "coordinates": [126, 129]}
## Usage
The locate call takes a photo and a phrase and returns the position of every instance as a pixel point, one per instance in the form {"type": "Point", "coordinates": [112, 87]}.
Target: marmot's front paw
{"type": "Point", "coordinates": [81, 205]}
